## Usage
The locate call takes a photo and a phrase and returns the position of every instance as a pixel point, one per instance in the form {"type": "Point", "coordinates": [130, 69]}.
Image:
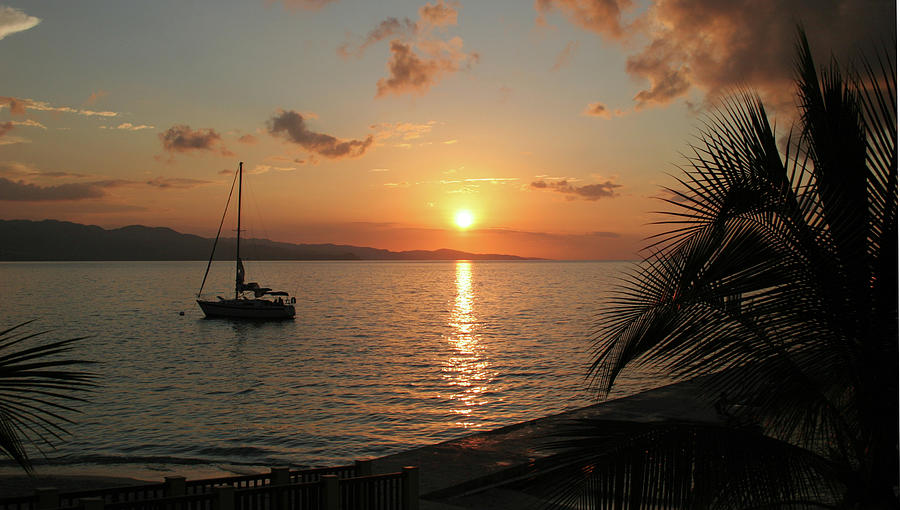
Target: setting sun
{"type": "Point", "coordinates": [464, 219]}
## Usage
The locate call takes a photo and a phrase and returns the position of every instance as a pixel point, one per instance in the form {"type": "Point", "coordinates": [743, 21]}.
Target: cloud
{"type": "Point", "coordinates": [494, 180]}
{"type": "Point", "coordinates": [128, 126]}
{"type": "Point", "coordinates": [18, 106]}
{"type": "Point", "coordinates": [20, 191]}
{"type": "Point", "coordinates": [181, 138]}
{"type": "Point", "coordinates": [5, 128]}
{"type": "Point", "coordinates": [588, 192]}
{"type": "Point", "coordinates": [440, 14]}
{"type": "Point", "coordinates": [309, 5]}
{"type": "Point", "coordinates": [596, 110]}
{"type": "Point", "coordinates": [94, 97]}
{"type": "Point", "coordinates": [716, 45]}
{"type": "Point", "coordinates": [16, 169]}
{"type": "Point", "coordinates": [248, 139]}
{"type": "Point", "coordinates": [404, 130]}
{"type": "Point", "coordinates": [261, 169]}
{"type": "Point", "coordinates": [601, 16]}
{"type": "Point", "coordinates": [13, 20]}
{"type": "Point", "coordinates": [562, 60]}
{"type": "Point", "coordinates": [412, 73]}
{"type": "Point", "coordinates": [387, 28]}
{"type": "Point", "coordinates": [663, 64]}
{"type": "Point", "coordinates": [419, 57]}
{"type": "Point", "coordinates": [29, 123]}
{"type": "Point", "coordinates": [291, 126]}
{"type": "Point", "coordinates": [176, 182]}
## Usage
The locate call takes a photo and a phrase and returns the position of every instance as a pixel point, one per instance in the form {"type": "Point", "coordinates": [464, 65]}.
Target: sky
{"type": "Point", "coordinates": [554, 123]}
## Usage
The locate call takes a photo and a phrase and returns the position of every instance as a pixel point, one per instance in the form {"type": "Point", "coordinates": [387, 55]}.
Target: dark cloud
{"type": "Point", "coordinates": [5, 128]}
{"type": "Point", "coordinates": [596, 110]}
{"type": "Point", "coordinates": [20, 191]}
{"type": "Point", "coordinates": [16, 169]}
{"type": "Point", "coordinates": [248, 139]}
{"type": "Point", "coordinates": [440, 14]}
{"type": "Point", "coordinates": [419, 55]}
{"type": "Point", "coordinates": [291, 126]}
{"type": "Point", "coordinates": [662, 64]}
{"type": "Point", "coordinates": [717, 45]}
{"type": "Point", "coordinates": [387, 28]}
{"type": "Point", "coordinates": [408, 72]}
{"type": "Point", "coordinates": [181, 138]}
{"type": "Point", "coordinates": [58, 174]}
{"type": "Point", "coordinates": [176, 182]}
{"type": "Point", "coordinates": [412, 73]}
{"type": "Point", "coordinates": [588, 192]}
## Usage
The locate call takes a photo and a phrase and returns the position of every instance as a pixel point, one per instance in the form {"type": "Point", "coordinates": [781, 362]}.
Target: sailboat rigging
{"type": "Point", "coordinates": [279, 305]}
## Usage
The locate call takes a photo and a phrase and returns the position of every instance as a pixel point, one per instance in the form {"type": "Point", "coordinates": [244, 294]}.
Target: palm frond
{"type": "Point", "coordinates": [630, 465]}
{"type": "Point", "coordinates": [36, 385]}
{"type": "Point", "coordinates": [776, 282]}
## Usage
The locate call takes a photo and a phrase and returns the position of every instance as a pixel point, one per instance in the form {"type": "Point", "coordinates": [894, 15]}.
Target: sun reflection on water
{"type": "Point", "coordinates": [466, 370]}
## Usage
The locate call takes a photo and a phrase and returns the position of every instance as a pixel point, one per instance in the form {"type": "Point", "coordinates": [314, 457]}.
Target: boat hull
{"type": "Point", "coordinates": [259, 309]}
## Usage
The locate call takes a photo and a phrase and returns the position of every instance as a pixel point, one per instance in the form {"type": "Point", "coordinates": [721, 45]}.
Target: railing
{"type": "Point", "coordinates": [375, 492]}
{"type": "Point", "coordinates": [344, 487]}
{"type": "Point", "coordinates": [116, 494]}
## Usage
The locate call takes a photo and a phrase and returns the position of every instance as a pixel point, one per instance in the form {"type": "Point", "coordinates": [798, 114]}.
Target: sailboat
{"type": "Point", "coordinates": [251, 300]}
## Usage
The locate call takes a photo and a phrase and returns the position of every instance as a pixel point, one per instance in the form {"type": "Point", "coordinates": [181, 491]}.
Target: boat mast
{"type": "Point", "coordinates": [237, 250]}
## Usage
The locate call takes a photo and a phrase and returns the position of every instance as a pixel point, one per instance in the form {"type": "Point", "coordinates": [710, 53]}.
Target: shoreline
{"type": "Point", "coordinates": [471, 466]}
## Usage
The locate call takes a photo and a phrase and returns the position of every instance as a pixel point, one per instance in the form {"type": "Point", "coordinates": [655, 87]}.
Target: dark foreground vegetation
{"type": "Point", "coordinates": [777, 282]}
{"type": "Point", "coordinates": [39, 384]}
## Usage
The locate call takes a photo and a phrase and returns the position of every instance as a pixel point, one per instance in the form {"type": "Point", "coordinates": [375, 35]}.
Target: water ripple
{"type": "Point", "coordinates": [382, 356]}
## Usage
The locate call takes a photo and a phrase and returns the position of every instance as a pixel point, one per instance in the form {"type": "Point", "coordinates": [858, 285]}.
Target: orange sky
{"type": "Point", "coordinates": [373, 123]}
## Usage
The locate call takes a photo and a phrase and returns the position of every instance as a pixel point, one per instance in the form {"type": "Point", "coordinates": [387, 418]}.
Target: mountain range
{"type": "Point", "coordinates": [22, 240]}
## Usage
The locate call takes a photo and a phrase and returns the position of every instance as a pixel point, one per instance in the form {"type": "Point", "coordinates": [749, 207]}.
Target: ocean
{"type": "Point", "coordinates": [382, 357]}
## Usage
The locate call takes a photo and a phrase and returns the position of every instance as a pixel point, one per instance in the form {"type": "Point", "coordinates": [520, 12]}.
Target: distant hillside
{"type": "Point", "coordinates": [62, 240]}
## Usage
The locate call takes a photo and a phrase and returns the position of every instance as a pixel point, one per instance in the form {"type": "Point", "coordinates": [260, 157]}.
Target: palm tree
{"type": "Point", "coordinates": [36, 388]}
{"type": "Point", "coordinates": [776, 286]}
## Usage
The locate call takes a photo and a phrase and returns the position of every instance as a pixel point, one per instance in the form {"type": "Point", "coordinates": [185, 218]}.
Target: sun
{"type": "Point", "coordinates": [464, 219]}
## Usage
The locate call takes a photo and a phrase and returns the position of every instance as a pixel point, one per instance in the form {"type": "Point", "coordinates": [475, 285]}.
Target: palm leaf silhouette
{"type": "Point", "coordinates": [776, 281]}
{"type": "Point", "coordinates": [37, 389]}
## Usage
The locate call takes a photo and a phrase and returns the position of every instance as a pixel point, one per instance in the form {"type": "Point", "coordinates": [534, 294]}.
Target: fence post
{"type": "Point", "coordinates": [280, 476]}
{"type": "Point", "coordinates": [362, 468]}
{"type": "Point", "coordinates": [47, 498]}
{"type": "Point", "coordinates": [224, 497]}
{"type": "Point", "coordinates": [331, 492]}
{"type": "Point", "coordinates": [175, 486]}
{"type": "Point", "coordinates": [90, 503]}
{"type": "Point", "coordinates": [410, 488]}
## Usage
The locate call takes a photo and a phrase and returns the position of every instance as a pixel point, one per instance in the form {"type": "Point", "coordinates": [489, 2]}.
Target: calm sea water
{"type": "Point", "coordinates": [382, 356]}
